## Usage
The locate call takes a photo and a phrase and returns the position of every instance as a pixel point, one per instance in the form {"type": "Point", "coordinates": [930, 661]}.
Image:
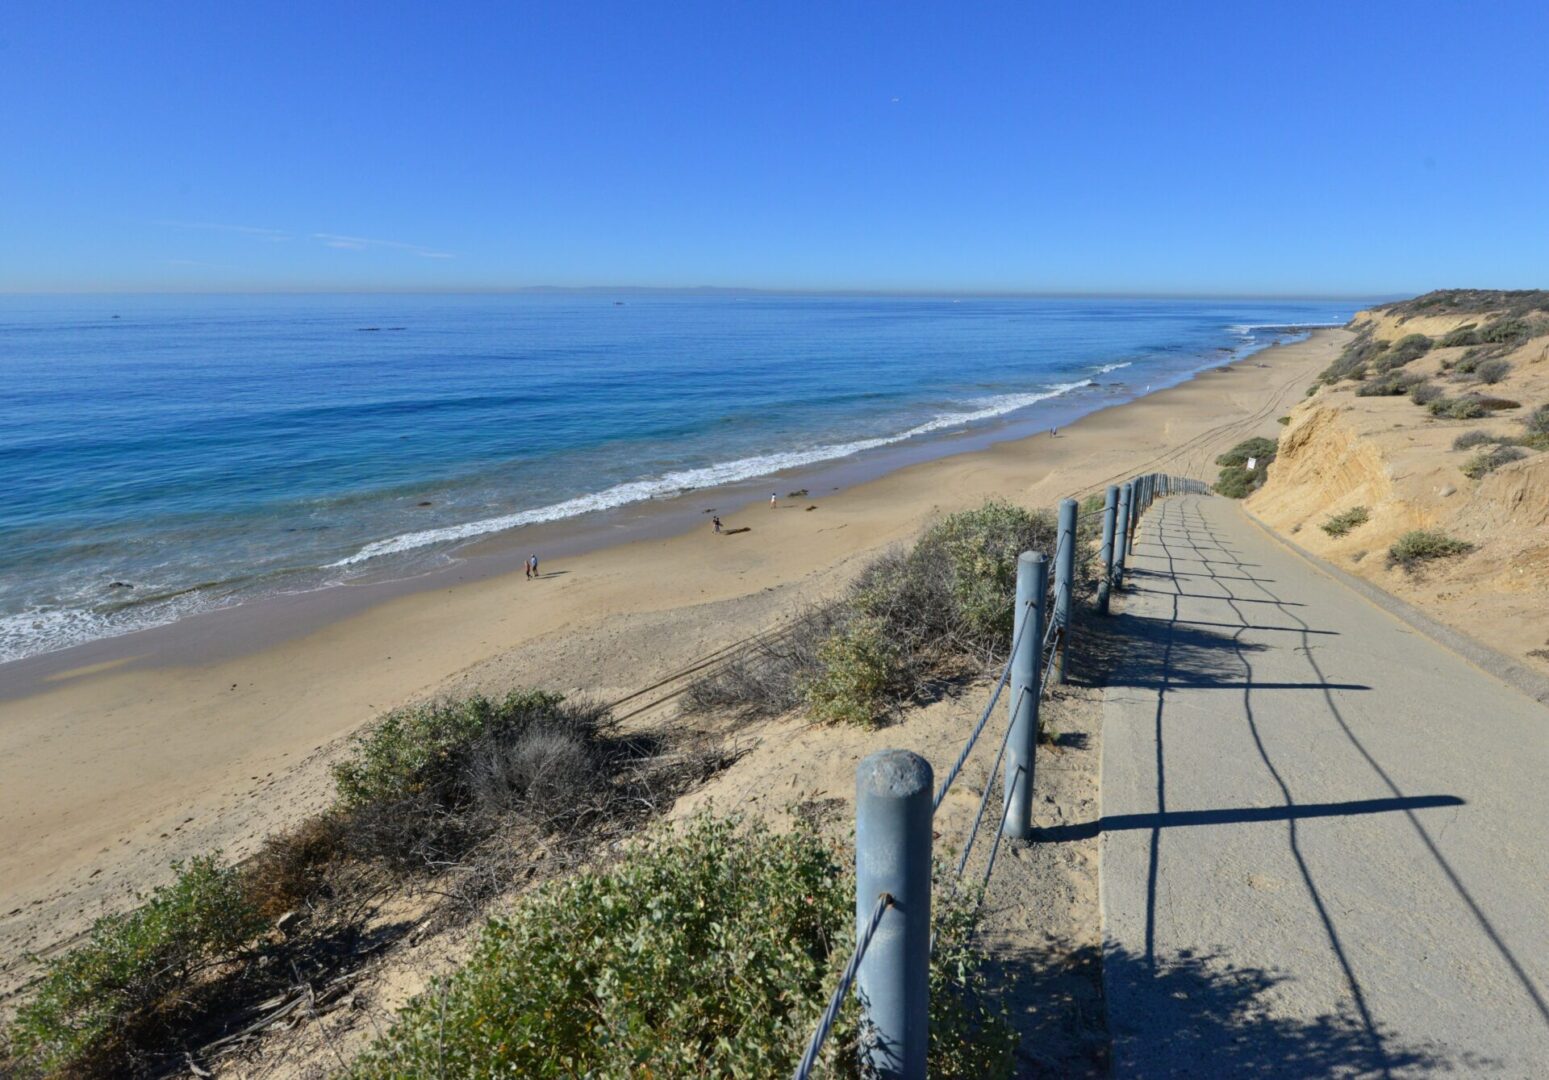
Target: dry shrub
{"type": "Point", "coordinates": [292, 867]}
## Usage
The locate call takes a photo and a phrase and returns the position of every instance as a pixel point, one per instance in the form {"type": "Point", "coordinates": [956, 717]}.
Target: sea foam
{"type": "Point", "coordinates": [680, 481]}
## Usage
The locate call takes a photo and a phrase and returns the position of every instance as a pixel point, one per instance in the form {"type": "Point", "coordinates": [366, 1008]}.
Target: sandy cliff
{"type": "Point", "coordinates": [1341, 450]}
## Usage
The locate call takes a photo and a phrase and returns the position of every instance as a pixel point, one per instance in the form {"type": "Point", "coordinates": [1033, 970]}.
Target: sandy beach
{"type": "Point", "coordinates": [213, 732]}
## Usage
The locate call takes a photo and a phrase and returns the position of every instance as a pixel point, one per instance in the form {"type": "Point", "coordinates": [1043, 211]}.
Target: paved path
{"type": "Point", "coordinates": [1325, 839]}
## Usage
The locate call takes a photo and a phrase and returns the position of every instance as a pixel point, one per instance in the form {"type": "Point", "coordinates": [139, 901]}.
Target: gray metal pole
{"type": "Point", "coordinates": [1064, 585]}
{"type": "Point", "coordinates": [892, 855]}
{"type": "Point", "coordinates": [1022, 741]}
{"type": "Point", "coordinates": [1121, 550]}
{"type": "Point", "coordinates": [1105, 553]}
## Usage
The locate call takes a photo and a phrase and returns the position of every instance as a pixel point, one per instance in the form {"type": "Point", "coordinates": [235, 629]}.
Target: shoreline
{"type": "Point", "coordinates": [248, 624]}
{"type": "Point", "coordinates": [123, 760]}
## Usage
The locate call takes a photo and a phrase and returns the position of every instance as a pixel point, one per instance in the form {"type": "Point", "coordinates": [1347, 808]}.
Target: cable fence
{"type": "Point", "coordinates": [895, 807]}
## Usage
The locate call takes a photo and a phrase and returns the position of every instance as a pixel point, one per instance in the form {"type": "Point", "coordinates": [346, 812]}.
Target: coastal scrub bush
{"type": "Point", "coordinates": [1424, 393]}
{"type": "Point", "coordinates": [708, 950]}
{"type": "Point", "coordinates": [1391, 384]}
{"type": "Point", "coordinates": [1468, 363]}
{"type": "Point", "coordinates": [1236, 480]}
{"type": "Point", "coordinates": [101, 1001]}
{"type": "Point", "coordinates": [1422, 545]}
{"type": "Point", "coordinates": [423, 748]}
{"type": "Point", "coordinates": [1537, 424]}
{"type": "Point", "coordinates": [1470, 439]}
{"type": "Point", "coordinates": [1340, 524]}
{"type": "Point", "coordinates": [1353, 361]}
{"type": "Point", "coordinates": [1463, 408]}
{"type": "Point", "coordinates": [1506, 330]}
{"type": "Point", "coordinates": [1405, 349]}
{"type": "Point", "coordinates": [1463, 335]}
{"type": "Point", "coordinates": [1492, 371]}
{"type": "Point", "coordinates": [980, 548]}
{"type": "Point", "coordinates": [860, 674]}
{"type": "Point", "coordinates": [912, 611]}
{"type": "Point", "coordinates": [1260, 448]}
{"type": "Point", "coordinates": [431, 780]}
{"type": "Point", "coordinates": [1537, 421]}
{"type": "Point", "coordinates": [1487, 461]}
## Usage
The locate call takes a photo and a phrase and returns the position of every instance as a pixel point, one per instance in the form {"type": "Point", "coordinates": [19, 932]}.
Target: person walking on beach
{"type": "Point", "coordinates": [774, 500]}
{"type": "Point", "coordinates": [532, 566]}
{"type": "Point", "coordinates": [716, 521]}
{"type": "Point", "coordinates": [1054, 432]}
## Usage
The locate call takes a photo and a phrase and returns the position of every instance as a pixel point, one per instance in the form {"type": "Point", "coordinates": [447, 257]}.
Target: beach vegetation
{"type": "Point", "coordinates": [860, 672]}
{"type": "Point", "coordinates": [1353, 361]}
{"type": "Point", "coordinates": [1510, 302]}
{"type": "Point", "coordinates": [1463, 408]}
{"type": "Point", "coordinates": [1507, 330]}
{"type": "Point", "coordinates": [1487, 461]}
{"type": "Point", "coordinates": [1470, 439]}
{"type": "Point", "coordinates": [708, 949]}
{"type": "Point", "coordinates": [1537, 425]}
{"type": "Point", "coordinates": [1463, 335]}
{"type": "Point", "coordinates": [1390, 384]}
{"type": "Point", "coordinates": [1236, 480]}
{"type": "Point", "coordinates": [1492, 371]}
{"type": "Point", "coordinates": [1404, 350]}
{"type": "Point", "coordinates": [101, 1002]}
{"type": "Point", "coordinates": [1423, 393]}
{"type": "Point", "coordinates": [1419, 546]}
{"type": "Point", "coordinates": [1342, 523]}
{"type": "Point", "coordinates": [1537, 421]}
{"type": "Point", "coordinates": [912, 614]}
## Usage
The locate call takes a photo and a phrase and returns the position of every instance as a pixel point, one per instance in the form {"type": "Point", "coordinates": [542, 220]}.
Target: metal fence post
{"type": "Point", "coordinates": [1064, 586]}
{"type": "Point", "coordinates": [1121, 542]}
{"type": "Point", "coordinates": [1022, 740]}
{"type": "Point", "coordinates": [892, 855]}
{"type": "Point", "coordinates": [1105, 553]}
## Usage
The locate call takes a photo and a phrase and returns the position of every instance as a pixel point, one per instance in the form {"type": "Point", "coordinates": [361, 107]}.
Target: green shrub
{"type": "Point", "coordinates": [1468, 363]}
{"type": "Point", "coordinates": [1391, 384]}
{"type": "Point", "coordinates": [1506, 330]}
{"type": "Point", "coordinates": [860, 674]}
{"type": "Point", "coordinates": [420, 748]}
{"type": "Point", "coordinates": [1424, 393]}
{"type": "Point", "coordinates": [1236, 480]}
{"type": "Point", "coordinates": [1487, 461]}
{"type": "Point", "coordinates": [1362, 352]}
{"type": "Point", "coordinates": [1537, 421]}
{"type": "Point", "coordinates": [980, 549]}
{"type": "Point", "coordinates": [1470, 439]}
{"type": "Point", "coordinates": [1340, 524]}
{"type": "Point", "coordinates": [1421, 545]}
{"type": "Point", "coordinates": [100, 1001]}
{"type": "Point", "coordinates": [1456, 408]}
{"type": "Point", "coordinates": [914, 611]}
{"type": "Point", "coordinates": [1263, 449]}
{"type": "Point", "coordinates": [1282, 420]}
{"type": "Point", "coordinates": [1463, 335]}
{"type": "Point", "coordinates": [1493, 371]}
{"type": "Point", "coordinates": [1401, 352]}
{"type": "Point", "coordinates": [708, 951]}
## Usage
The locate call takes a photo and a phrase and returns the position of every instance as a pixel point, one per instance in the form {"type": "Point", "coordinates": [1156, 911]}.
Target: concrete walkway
{"type": "Point", "coordinates": [1325, 839]}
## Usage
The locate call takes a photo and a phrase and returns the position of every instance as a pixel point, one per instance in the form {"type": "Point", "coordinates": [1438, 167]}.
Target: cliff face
{"type": "Point", "coordinates": [1395, 458]}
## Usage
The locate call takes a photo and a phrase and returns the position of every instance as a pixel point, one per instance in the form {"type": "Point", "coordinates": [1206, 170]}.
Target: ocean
{"type": "Point", "coordinates": [172, 454]}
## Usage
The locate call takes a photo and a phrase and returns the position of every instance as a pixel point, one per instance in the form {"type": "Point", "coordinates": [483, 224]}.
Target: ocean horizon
{"type": "Point", "coordinates": [180, 453]}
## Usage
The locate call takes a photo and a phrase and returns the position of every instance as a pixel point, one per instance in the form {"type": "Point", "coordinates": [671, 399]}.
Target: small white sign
{"type": "Point", "coordinates": [1253, 463]}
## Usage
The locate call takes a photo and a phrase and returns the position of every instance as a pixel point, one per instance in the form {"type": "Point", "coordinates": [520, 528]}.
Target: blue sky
{"type": "Point", "coordinates": [1305, 148]}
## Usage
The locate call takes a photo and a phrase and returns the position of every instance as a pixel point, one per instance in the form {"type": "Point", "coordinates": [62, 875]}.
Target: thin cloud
{"type": "Point", "coordinates": [212, 226]}
{"type": "Point", "coordinates": [361, 243]}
